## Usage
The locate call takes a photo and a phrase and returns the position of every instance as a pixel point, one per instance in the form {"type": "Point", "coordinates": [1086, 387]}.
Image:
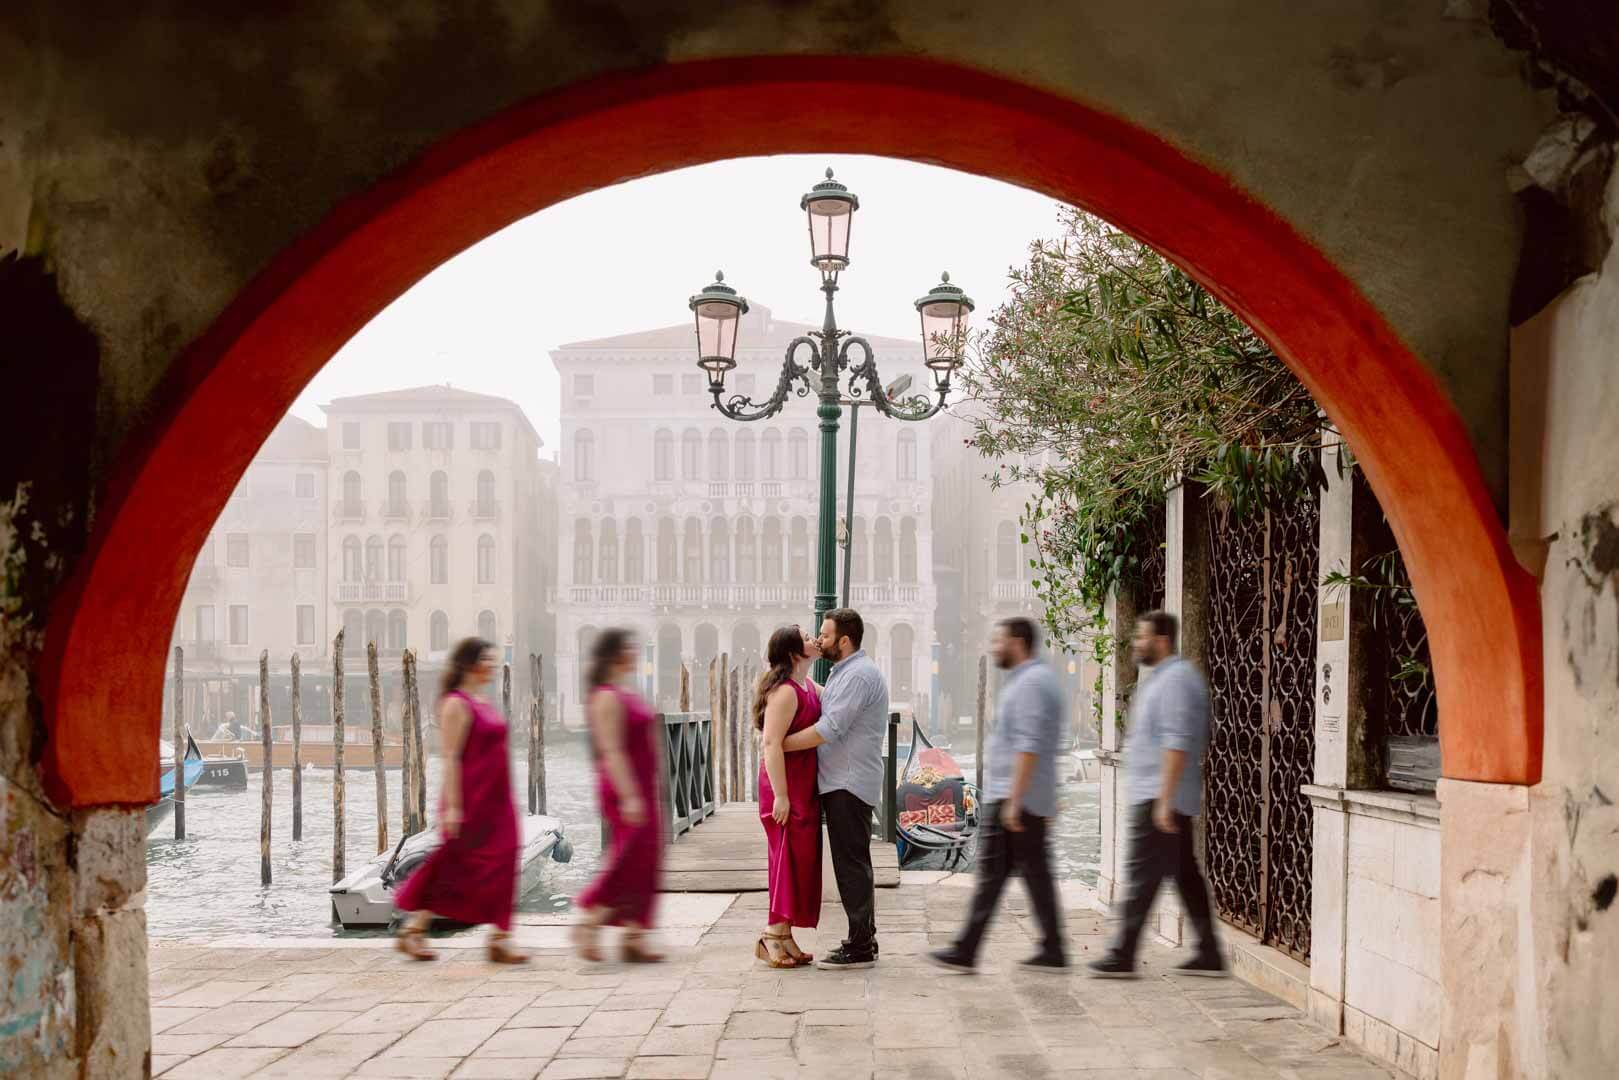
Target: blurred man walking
{"type": "Point", "coordinates": [1021, 799]}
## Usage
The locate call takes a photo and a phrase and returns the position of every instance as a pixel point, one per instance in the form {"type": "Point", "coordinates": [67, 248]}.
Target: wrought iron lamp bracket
{"type": "Point", "coordinates": [915, 407]}
{"type": "Point", "coordinates": [742, 407]}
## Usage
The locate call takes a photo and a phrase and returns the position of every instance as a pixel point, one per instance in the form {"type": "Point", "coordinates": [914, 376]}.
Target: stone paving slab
{"type": "Point", "coordinates": [326, 1008]}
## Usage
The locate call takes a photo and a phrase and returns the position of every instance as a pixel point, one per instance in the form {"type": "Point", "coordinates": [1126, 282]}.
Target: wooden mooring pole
{"type": "Point", "coordinates": [297, 753]}
{"type": "Point", "coordinates": [536, 738]}
{"type": "Point", "coordinates": [179, 743]}
{"type": "Point", "coordinates": [978, 723]}
{"type": "Point", "coordinates": [264, 741]}
{"type": "Point", "coordinates": [421, 747]}
{"type": "Point", "coordinates": [407, 785]}
{"type": "Point", "coordinates": [738, 792]}
{"type": "Point", "coordinates": [338, 872]}
{"type": "Point", "coordinates": [714, 727]}
{"type": "Point", "coordinates": [376, 745]}
{"type": "Point", "coordinates": [722, 724]}
{"type": "Point", "coordinates": [685, 687]}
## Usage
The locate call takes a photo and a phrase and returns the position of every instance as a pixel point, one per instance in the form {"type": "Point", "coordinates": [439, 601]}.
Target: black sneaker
{"type": "Point", "coordinates": [848, 957]}
{"type": "Point", "coordinates": [950, 960]}
{"type": "Point", "coordinates": [1050, 965]}
{"type": "Point", "coordinates": [1111, 967]}
{"type": "Point", "coordinates": [1208, 966]}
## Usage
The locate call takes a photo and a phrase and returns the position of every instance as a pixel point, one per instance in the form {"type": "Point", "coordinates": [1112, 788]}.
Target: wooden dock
{"type": "Point", "coordinates": [726, 853]}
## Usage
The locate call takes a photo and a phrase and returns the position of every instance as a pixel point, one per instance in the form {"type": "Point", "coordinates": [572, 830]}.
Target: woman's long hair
{"type": "Point", "coordinates": [604, 654]}
{"type": "Point", "coordinates": [785, 648]}
{"type": "Point", "coordinates": [463, 658]}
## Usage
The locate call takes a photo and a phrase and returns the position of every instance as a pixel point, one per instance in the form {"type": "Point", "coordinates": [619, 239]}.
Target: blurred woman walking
{"type": "Point", "coordinates": [789, 802]}
{"type": "Point", "coordinates": [625, 892]}
{"type": "Point", "coordinates": [472, 876]}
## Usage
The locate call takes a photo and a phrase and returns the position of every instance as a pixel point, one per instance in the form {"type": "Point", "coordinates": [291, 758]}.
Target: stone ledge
{"type": "Point", "coordinates": [1397, 806]}
{"type": "Point", "coordinates": [1269, 969]}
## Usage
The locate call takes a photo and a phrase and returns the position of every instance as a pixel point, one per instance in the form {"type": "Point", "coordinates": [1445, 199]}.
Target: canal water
{"type": "Point", "coordinates": [207, 885]}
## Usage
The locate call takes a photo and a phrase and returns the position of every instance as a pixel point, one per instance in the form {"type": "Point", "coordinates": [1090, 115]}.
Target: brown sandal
{"type": "Point", "coordinates": [763, 952]}
{"type": "Point", "coordinates": [634, 953]}
{"type": "Point", "coordinates": [584, 937]}
{"type": "Point", "coordinates": [800, 957]}
{"type": "Point", "coordinates": [413, 943]}
{"type": "Point", "coordinates": [501, 953]}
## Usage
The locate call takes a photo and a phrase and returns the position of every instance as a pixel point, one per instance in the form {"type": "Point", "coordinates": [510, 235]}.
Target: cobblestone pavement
{"type": "Point", "coordinates": [360, 1009]}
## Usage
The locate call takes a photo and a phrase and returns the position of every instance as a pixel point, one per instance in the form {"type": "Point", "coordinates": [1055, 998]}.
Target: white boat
{"type": "Point", "coordinates": [365, 897]}
{"type": "Point", "coordinates": [1087, 770]}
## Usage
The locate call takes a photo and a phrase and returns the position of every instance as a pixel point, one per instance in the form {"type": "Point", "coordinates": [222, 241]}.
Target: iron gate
{"type": "Point", "coordinates": [1264, 578]}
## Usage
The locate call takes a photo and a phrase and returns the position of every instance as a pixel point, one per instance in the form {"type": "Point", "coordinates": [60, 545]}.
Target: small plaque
{"type": "Point", "coordinates": [1332, 621]}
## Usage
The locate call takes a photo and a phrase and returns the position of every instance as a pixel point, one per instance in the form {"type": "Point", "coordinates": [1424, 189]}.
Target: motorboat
{"type": "Point", "coordinates": [365, 897]}
{"type": "Point", "coordinates": [220, 772]}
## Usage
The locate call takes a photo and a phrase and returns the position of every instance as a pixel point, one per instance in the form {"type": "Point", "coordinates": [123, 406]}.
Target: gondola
{"type": "Point", "coordinates": [158, 813]}
{"type": "Point", "coordinates": [937, 807]}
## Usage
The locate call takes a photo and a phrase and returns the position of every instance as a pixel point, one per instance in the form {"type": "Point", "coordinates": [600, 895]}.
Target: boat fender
{"type": "Point", "coordinates": [563, 851]}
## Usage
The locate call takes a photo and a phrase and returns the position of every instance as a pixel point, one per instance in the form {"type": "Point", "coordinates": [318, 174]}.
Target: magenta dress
{"type": "Point", "coordinates": [473, 877]}
{"type": "Point", "coordinates": [795, 848]}
{"type": "Point", "coordinates": [627, 884]}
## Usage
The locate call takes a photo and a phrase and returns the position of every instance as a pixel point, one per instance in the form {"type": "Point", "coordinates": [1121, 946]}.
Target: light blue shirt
{"type": "Point", "coordinates": [1170, 712]}
{"type": "Point", "coordinates": [1029, 719]}
{"type": "Point", "coordinates": [854, 720]}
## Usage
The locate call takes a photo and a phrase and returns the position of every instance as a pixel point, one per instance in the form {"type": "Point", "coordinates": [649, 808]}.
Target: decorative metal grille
{"type": "Point", "coordinates": [1264, 574]}
{"type": "Point", "coordinates": [1408, 704]}
{"type": "Point", "coordinates": [688, 774]}
{"type": "Point", "coordinates": [1149, 545]}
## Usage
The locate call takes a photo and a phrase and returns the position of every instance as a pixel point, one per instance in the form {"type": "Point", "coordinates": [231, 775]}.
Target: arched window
{"type": "Point", "coordinates": [634, 553]}
{"type": "Point", "coordinates": [607, 572]}
{"type": "Point", "coordinates": [668, 552]}
{"type": "Point", "coordinates": [907, 550]}
{"type": "Point", "coordinates": [376, 628]}
{"type": "Point", "coordinates": [438, 632]}
{"type": "Point", "coordinates": [438, 498]}
{"type": "Point", "coordinates": [694, 552]}
{"type": "Point", "coordinates": [487, 629]}
{"type": "Point", "coordinates": [396, 558]}
{"type": "Point", "coordinates": [663, 455]}
{"type": "Point", "coordinates": [438, 559]}
{"type": "Point", "coordinates": [486, 493]}
{"type": "Point", "coordinates": [859, 551]}
{"type": "Point", "coordinates": [772, 448]}
{"type": "Point", "coordinates": [1006, 552]}
{"type": "Point", "coordinates": [486, 559]}
{"type": "Point", "coordinates": [351, 494]}
{"type": "Point", "coordinates": [373, 558]}
{"type": "Point", "coordinates": [691, 455]}
{"type": "Point", "coordinates": [353, 632]}
{"type": "Point", "coordinates": [906, 464]}
{"type": "Point", "coordinates": [799, 571]}
{"type": "Point", "coordinates": [396, 631]}
{"type": "Point", "coordinates": [719, 455]}
{"type": "Point", "coordinates": [584, 456]}
{"type": "Point", "coordinates": [719, 552]}
{"type": "Point", "coordinates": [396, 494]}
{"type": "Point", "coordinates": [587, 641]}
{"type": "Point", "coordinates": [770, 553]}
{"type": "Point", "coordinates": [353, 567]}
{"type": "Point", "coordinates": [583, 552]}
{"type": "Point", "coordinates": [901, 644]}
{"type": "Point", "coordinates": [747, 553]}
{"type": "Point", "coordinates": [798, 451]}
{"type": "Point", "coordinates": [744, 455]}
{"type": "Point", "coordinates": [883, 551]}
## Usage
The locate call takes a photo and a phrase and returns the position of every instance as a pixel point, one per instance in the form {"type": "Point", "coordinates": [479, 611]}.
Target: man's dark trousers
{"type": "Point", "coordinates": [848, 834]}
{"type": "Point", "coordinates": [999, 852]}
{"type": "Point", "coordinates": [1154, 856]}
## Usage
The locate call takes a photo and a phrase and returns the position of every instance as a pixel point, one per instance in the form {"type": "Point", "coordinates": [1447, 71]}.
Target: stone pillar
{"type": "Point", "coordinates": [1118, 677]}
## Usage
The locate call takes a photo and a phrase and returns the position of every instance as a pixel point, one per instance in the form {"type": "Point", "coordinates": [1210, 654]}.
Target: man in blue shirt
{"type": "Point", "coordinates": [849, 767]}
{"type": "Point", "coordinates": [1163, 768]}
{"type": "Point", "coordinates": [1020, 799]}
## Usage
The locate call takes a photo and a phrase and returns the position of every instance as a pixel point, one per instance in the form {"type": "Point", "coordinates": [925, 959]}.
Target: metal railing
{"type": "Point", "coordinates": [688, 773]}
{"type": "Point", "coordinates": [886, 825]}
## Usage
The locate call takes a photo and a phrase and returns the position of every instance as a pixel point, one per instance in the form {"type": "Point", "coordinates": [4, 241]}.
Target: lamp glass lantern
{"type": "Point", "coordinates": [718, 310]}
{"type": "Point", "coordinates": [830, 208]}
{"type": "Point", "coordinates": [944, 312]}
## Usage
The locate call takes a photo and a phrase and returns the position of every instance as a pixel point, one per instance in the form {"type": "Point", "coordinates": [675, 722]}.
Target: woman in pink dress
{"type": "Point", "coordinates": [789, 802]}
{"type": "Point", "coordinates": [472, 876]}
{"type": "Point", "coordinates": [624, 734]}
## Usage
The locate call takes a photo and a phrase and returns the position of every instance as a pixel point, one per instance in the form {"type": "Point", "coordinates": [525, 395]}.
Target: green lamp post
{"type": "Point", "coordinates": [718, 309]}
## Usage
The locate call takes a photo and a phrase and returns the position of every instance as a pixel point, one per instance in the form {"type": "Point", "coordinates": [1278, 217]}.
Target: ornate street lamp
{"type": "Point", "coordinates": [718, 309]}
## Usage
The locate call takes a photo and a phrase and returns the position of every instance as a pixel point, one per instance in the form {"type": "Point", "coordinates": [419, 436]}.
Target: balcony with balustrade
{"type": "Point", "coordinates": [373, 592]}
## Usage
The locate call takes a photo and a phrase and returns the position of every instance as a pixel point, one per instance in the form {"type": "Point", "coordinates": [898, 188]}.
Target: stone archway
{"type": "Point", "coordinates": [239, 378]}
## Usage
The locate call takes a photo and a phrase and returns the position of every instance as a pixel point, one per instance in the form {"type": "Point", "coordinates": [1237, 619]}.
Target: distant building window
{"type": "Point", "coordinates": [608, 551]}
{"type": "Point", "coordinates": [306, 624]}
{"type": "Point", "coordinates": [205, 557]}
{"type": "Point", "coordinates": [439, 496]}
{"type": "Point", "coordinates": [634, 553]}
{"type": "Point", "coordinates": [205, 623]}
{"type": "Point", "coordinates": [351, 435]}
{"type": "Point", "coordinates": [486, 560]}
{"type": "Point", "coordinates": [719, 455]}
{"type": "Point", "coordinates": [398, 435]}
{"type": "Point", "coordinates": [744, 456]}
{"type": "Point", "coordinates": [798, 553]}
{"type": "Point", "coordinates": [798, 446]}
{"type": "Point", "coordinates": [238, 624]}
{"type": "Point", "coordinates": [236, 549]}
{"type": "Point", "coordinates": [486, 627]}
{"type": "Point", "coordinates": [907, 550]}
{"type": "Point", "coordinates": [438, 633]}
{"type": "Point", "coordinates": [694, 552]}
{"type": "Point", "coordinates": [883, 548]}
{"type": "Point", "coordinates": [351, 559]}
{"type": "Point", "coordinates": [438, 435]}
{"type": "Point", "coordinates": [663, 385]}
{"type": "Point", "coordinates": [583, 552]}
{"type": "Point", "coordinates": [906, 466]}
{"type": "Point", "coordinates": [691, 456]}
{"type": "Point", "coordinates": [396, 558]}
{"type": "Point", "coordinates": [485, 435]}
{"type": "Point", "coordinates": [303, 551]}
{"type": "Point", "coordinates": [691, 384]}
{"type": "Point", "coordinates": [303, 485]}
{"type": "Point", "coordinates": [773, 462]}
{"type": "Point", "coordinates": [396, 494]}
{"type": "Point", "coordinates": [438, 552]}
{"type": "Point", "coordinates": [486, 494]}
{"type": "Point", "coordinates": [584, 385]}
{"type": "Point", "coordinates": [584, 456]}
{"type": "Point", "coordinates": [663, 456]}
{"type": "Point", "coordinates": [352, 506]}
{"type": "Point", "coordinates": [396, 630]}
{"type": "Point", "coordinates": [373, 559]}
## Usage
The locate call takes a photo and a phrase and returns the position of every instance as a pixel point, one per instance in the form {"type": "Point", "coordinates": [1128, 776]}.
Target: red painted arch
{"type": "Point", "coordinates": [103, 671]}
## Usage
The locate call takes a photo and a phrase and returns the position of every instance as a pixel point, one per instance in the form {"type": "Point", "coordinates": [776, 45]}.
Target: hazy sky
{"type": "Point", "coordinates": [626, 258]}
